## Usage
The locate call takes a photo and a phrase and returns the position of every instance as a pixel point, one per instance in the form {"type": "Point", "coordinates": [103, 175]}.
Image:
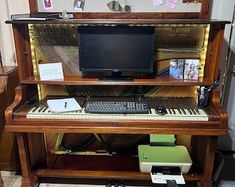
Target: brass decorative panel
{"type": "Point", "coordinates": [58, 43]}
{"type": "Point", "coordinates": [180, 41]}
{"type": "Point", "coordinates": [53, 43]}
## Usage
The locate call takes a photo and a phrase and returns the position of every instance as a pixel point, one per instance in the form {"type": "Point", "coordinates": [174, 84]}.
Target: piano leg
{"type": "Point", "coordinates": [204, 153]}
{"type": "Point", "coordinates": [28, 179]}
{"type": "Point", "coordinates": [209, 161]}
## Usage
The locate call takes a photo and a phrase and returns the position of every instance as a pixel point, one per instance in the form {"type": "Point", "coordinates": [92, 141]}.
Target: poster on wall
{"type": "Point", "coordinates": [48, 4]}
{"type": "Point", "coordinates": [79, 4]}
{"type": "Point", "coordinates": [168, 3]}
{"type": "Point", "coordinates": [193, 1]}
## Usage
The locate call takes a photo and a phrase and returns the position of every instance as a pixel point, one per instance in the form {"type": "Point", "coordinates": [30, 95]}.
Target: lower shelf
{"type": "Point", "coordinates": [98, 167]}
{"type": "Point", "coordinates": [93, 162]}
{"type": "Point", "coordinates": [125, 175]}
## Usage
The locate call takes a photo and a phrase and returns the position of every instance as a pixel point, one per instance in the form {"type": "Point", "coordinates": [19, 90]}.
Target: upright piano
{"type": "Point", "coordinates": [40, 132]}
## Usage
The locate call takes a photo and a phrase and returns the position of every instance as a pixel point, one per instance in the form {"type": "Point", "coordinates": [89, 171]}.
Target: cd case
{"type": "Point", "coordinates": [191, 69]}
{"type": "Point", "coordinates": [177, 68]}
{"type": "Point", "coordinates": [186, 69]}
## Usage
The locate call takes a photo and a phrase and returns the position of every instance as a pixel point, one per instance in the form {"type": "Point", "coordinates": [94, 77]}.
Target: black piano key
{"type": "Point", "coordinates": [179, 111]}
{"type": "Point", "coordinates": [198, 112]}
{"type": "Point", "coordinates": [183, 111]}
{"type": "Point", "coordinates": [44, 109]}
{"type": "Point", "coordinates": [189, 111]}
{"type": "Point", "coordinates": [170, 111]}
{"type": "Point", "coordinates": [41, 109]}
{"type": "Point", "coordinates": [35, 108]}
{"type": "Point", "coordinates": [193, 111]}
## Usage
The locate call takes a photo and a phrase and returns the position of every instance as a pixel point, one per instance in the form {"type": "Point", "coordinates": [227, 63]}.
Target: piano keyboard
{"type": "Point", "coordinates": [172, 114]}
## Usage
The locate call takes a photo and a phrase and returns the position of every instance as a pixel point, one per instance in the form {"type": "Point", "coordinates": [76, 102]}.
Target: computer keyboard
{"type": "Point", "coordinates": [122, 107]}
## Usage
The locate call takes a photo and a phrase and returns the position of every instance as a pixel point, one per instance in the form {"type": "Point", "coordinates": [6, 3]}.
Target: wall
{"type": "Point", "coordinates": [137, 6]}
{"type": "Point", "coordinates": [7, 8]}
{"type": "Point", "coordinates": [224, 10]}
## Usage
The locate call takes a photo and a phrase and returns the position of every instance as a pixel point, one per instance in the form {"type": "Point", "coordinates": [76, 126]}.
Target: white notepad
{"type": "Point", "coordinates": [63, 105]}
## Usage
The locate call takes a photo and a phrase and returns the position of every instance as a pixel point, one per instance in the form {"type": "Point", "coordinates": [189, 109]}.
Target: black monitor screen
{"type": "Point", "coordinates": [116, 48]}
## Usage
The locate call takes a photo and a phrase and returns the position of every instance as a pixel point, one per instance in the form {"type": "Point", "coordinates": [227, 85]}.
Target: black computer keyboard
{"type": "Point", "coordinates": [116, 107]}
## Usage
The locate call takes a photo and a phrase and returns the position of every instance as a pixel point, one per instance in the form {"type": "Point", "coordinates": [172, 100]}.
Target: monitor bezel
{"type": "Point", "coordinates": [119, 70]}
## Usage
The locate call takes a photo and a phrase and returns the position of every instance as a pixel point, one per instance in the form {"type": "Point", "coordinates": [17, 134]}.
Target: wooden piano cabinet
{"type": "Point", "coordinates": [107, 168]}
{"type": "Point", "coordinates": [38, 163]}
{"type": "Point", "coordinates": [8, 147]}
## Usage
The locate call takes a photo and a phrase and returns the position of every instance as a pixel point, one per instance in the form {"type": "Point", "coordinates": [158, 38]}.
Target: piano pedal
{"type": "Point", "coordinates": [111, 183]}
{"type": "Point", "coordinates": [115, 183]}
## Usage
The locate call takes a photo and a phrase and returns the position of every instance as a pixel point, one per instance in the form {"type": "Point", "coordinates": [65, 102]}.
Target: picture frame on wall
{"type": "Point", "coordinates": [48, 4]}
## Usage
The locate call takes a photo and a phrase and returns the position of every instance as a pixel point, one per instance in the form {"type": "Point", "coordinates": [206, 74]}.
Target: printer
{"type": "Point", "coordinates": [150, 156]}
{"type": "Point", "coordinates": [166, 163]}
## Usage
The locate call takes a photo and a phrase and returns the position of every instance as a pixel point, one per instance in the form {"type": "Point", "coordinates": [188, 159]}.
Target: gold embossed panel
{"type": "Point", "coordinates": [180, 41]}
{"type": "Point", "coordinates": [180, 36]}
{"type": "Point", "coordinates": [55, 43]}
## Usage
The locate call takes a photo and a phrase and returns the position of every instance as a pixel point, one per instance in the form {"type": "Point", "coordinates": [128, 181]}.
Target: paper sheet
{"type": "Point", "coordinates": [63, 105]}
{"type": "Point", "coordinates": [51, 71]}
{"type": "Point", "coordinates": [160, 178]}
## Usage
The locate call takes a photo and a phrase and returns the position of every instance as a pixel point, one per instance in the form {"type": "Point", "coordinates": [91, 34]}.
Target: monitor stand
{"type": "Point", "coordinates": [116, 76]}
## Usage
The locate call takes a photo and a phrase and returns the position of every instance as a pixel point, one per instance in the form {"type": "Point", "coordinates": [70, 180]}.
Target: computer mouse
{"type": "Point", "coordinates": [161, 110]}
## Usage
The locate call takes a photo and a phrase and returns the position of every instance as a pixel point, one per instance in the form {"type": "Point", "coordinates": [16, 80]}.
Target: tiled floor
{"type": "Point", "coordinates": [10, 179]}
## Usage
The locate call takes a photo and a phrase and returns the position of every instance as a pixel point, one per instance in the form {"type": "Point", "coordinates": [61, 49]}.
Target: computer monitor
{"type": "Point", "coordinates": [116, 49]}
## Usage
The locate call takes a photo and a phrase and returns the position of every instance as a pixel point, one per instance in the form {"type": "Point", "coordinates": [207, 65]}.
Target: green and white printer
{"type": "Point", "coordinates": [150, 156]}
